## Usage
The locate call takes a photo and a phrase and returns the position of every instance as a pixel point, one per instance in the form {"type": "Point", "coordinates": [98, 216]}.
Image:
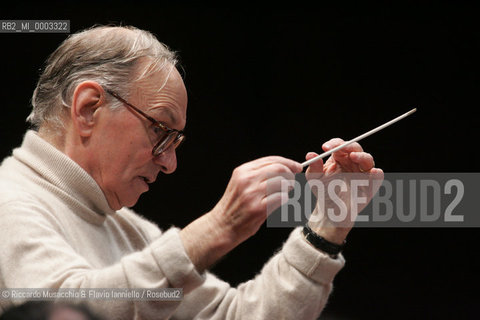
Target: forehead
{"type": "Point", "coordinates": [163, 95]}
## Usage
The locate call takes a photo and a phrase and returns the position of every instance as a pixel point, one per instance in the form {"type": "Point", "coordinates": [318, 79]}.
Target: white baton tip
{"type": "Point", "coordinates": [360, 137]}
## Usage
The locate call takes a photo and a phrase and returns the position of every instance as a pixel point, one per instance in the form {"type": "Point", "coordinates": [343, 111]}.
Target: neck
{"type": "Point", "coordinates": [75, 147]}
{"type": "Point", "coordinates": [54, 136]}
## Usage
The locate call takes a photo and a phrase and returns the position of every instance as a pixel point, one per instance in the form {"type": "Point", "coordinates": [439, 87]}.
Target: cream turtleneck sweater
{"type": "Point", "coordinates": [57, 231]}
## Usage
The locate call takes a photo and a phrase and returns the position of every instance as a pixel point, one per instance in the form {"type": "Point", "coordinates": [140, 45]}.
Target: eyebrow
{"type": "Point", "coordinates": [163, 109]}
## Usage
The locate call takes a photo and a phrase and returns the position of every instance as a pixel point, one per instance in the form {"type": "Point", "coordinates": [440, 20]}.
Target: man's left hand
{"type": "Point", "coordinates": [342, 164]}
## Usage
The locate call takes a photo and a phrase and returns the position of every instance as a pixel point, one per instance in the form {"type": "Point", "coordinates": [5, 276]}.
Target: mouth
{"type": "Point", "coordinates": [147, 180]}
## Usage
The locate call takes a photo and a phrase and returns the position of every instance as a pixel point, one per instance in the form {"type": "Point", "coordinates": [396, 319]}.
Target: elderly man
{"type": "Point", "coordinates": [109, 109]}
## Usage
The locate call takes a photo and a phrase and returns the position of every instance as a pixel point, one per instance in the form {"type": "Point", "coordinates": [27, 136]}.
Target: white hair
{"type": "Point", "coordinates": [106, 54]}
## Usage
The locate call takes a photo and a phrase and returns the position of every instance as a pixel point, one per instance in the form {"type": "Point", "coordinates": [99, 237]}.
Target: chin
{"type": "Point", "coordinates": [119, 199]}
{"type": "Point", "coordinates": [130, 202]}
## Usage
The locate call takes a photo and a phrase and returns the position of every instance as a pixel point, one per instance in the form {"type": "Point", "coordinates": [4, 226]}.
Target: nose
{"type": "Point", "coordinates": [167, 161]}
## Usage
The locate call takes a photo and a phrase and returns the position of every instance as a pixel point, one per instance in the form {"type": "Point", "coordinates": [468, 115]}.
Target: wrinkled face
{"type": "Point", "coordinates": [123, 140]}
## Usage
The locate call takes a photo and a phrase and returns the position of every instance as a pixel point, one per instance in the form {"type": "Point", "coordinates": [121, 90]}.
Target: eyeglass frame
{"type": "Point", "coordinates": [169, 131]}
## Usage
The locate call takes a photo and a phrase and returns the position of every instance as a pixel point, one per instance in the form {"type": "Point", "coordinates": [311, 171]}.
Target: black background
{"type": "Point", "coordinates": [282, 80]}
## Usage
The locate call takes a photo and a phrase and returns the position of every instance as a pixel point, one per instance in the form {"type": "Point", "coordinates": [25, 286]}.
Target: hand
{"type": "Point", "coordinates": [254, 191]}
{"type": "Point", "coordinates": [341, 165]}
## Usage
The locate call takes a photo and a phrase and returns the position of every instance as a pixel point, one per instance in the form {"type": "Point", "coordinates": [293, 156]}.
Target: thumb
{"type": "Point", "coordinates": [317, 166]}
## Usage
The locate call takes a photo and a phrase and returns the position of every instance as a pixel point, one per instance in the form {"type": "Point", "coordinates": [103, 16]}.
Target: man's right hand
{"type": "Point", "coordinates": [254, 191]}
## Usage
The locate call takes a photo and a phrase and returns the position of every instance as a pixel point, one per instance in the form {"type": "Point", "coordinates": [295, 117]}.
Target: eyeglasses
{"type": "Point", "coordinates": [168, 137]}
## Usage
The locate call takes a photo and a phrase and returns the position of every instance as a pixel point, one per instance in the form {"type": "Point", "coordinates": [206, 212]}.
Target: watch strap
{"type": "Point", "coordinates": [321, 243]}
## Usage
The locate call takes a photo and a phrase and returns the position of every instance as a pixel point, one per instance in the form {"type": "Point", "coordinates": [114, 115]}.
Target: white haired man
{"type": "Point", "coordinates": [108, 111]}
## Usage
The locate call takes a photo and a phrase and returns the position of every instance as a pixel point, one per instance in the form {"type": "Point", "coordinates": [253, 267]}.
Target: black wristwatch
{"type": "Point", "coordinates": [322, 244]}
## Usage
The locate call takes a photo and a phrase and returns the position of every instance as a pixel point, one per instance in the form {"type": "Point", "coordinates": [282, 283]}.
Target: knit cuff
{"type": "Point", "coordinates": [311, 262]}
{"type": "Point", "coordinates": [174, 262]}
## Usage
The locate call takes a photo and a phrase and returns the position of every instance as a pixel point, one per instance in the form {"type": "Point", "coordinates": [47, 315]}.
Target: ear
{"type": "Point", "coordinates": [87, 98]}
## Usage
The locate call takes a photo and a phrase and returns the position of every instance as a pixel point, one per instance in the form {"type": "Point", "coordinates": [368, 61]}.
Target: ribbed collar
{"type": "Point", "coordinates": [79, 188]}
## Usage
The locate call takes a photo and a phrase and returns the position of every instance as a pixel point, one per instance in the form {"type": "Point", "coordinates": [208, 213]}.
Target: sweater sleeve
{"type": "Point", "coordinates": [36, 255]}
{"type": "Point", "coordinates": [294, 284]}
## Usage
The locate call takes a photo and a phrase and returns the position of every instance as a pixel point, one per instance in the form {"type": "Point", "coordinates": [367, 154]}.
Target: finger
{"type": "Point", "coordinates": [277, 184]}
{"type": "Point", "coordinates": [273, 170]}
{"type": "Point", "coordinates": [317, 166]}
{"type": "Point", "coordinates": [332, 143]}
{"type": "Point", "coordinates": [293, 166]}
{"type": "Point", "coordinates": [377, 177]}
{"type": "Point", "coordinates": [377, 173]}
{"type": "Point", "coordinates": [363, 160]}
{"type": "Point", "coordinates": [335, 142]}
{"type": "Point", "coordinates": [273, 201]}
